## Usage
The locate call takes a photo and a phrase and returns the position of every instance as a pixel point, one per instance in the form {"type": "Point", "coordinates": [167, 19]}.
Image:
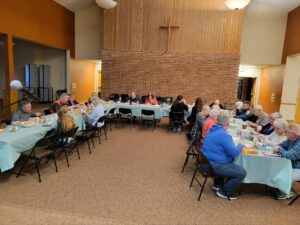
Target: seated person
{"type": "Point", "coordinates": [195, 110]}
{"type": "Point", "coordinates": [290, 149]}
{"type": "Point", "coordinates": [244, 113]}
{"type": "Point", "coordinates": [72, 101]}
{"type": "Point", "coordinates": [269, 127]}
{"type": "Point", "coordinates": [238, 109]}
{"type": "Point", "coordinates": [179, 105]}
{"type": "Point", "coordinates": [278, 135]}
{"type": "Point", "coordinates": [200, 119]}
{"type": "Point", "coordinates": [151, 100]}
{"type": "Point", "coordinates": [96, 113]}
{"type": "Point", "coordinates": [211, 120]}
{"type": "Point", "coordinates": [262, 117]}
{"type": "Point", "coordinates": [65, 123]}
{"type": "Point", "coordinates": [219, 149]}
{"type": "Point", "coordinates": [61, 101]}
{"type": "Point", "coordinates": [134, 98]}
{"type": "Point", "coordinates": [24, 113]}
{"type": "Point", "coordinates": [217, 102]}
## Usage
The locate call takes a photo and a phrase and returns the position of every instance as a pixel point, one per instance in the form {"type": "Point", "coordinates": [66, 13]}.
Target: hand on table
{"type": "Point", "coordinates": [276, 149]}
{"type": "Point", "coordinates": [38, 114]}
{"type": "Point", "coordinates": [259, 128]}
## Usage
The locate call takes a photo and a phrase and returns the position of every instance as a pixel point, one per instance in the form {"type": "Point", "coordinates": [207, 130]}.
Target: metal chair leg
{"type": "Point", "coordinates": [66, 156]}
{"type": "Point", "coordinates": [37, 170]}
{"type": "Point", "coordinates": [202, 188]}
{"type": "Point", "coordinates": [193, 176]}
{"type": "Point", "coordinates": [54, 160]}
{"type": "Point", "coordinates": [294, 199]}
{"type": "Point", "coordinates": [21, 169]}
{"type": "Point", "coordinates": [186, 161]}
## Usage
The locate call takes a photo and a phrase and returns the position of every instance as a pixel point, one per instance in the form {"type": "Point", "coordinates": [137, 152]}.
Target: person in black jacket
{"type": "Point", "coordinates": [179, 105]}
{"type": "Point", "coordinates": [196, 108]}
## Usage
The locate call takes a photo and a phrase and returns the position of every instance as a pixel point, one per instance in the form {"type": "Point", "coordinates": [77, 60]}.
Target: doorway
{"type": "Point", "coordinates": [246, 89]}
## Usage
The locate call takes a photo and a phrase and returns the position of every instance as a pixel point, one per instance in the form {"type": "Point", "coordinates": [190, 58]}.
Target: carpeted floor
{"type": "Point", "coordinates": [132, 178]}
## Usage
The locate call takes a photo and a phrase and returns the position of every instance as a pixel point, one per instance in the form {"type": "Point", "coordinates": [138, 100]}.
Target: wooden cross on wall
{"type": "Point", "coordinates": [169, 27]}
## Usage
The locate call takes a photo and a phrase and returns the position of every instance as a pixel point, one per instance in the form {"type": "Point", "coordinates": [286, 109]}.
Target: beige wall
{"type": "Point", "coordinates": [290, 87]}
{"type": "Point", "coordinates": [89, 33]}
{"type": "Point", "coordinates": [262, 38]}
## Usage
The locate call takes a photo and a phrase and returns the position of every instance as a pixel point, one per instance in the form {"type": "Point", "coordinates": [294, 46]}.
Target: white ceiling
{"type": "Point", "coordinates": [255, 6]}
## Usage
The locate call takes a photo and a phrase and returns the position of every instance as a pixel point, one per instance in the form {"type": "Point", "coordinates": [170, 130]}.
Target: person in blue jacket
{"type": "Point", "coordinates": [219, 149]}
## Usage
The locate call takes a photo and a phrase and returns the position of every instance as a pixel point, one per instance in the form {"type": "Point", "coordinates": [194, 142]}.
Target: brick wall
{"type": "Point", "coordinates": [209, 76]}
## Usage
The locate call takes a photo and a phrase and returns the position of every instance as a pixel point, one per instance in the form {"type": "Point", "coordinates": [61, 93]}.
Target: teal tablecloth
{"type": "Point", "coordinates": [273, 171]}
{"type": "Point", "coordinates": [13, 143]}
{"type": "Point", "coordinates": [262, 168]}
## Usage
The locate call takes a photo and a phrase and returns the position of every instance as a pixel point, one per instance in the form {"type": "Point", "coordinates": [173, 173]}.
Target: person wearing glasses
{"type": "Point", "coordinates": [290, 149]}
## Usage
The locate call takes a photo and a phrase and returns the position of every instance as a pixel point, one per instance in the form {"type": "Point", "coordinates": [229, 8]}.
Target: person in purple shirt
{"type": "Point", "coordinates": [219, 149]}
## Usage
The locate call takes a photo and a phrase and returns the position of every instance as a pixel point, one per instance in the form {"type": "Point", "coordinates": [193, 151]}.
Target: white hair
{"type": "Point", "coordinates": [294, 128]}
{"type": "Point", "coordinates": [239, 104]}
{"type": "Point", "coordinates": [95, 100]}
{"type": "Point", "coordinates": [257, 107]}
{"type": "Point", "coordinates": [280, 123]}
{"type": "Point", "coordinates": [276, 115]}
{"type": "Point", "coordinates": [214, 112]}
{"type": "Point", "coordinates": [215, 107]}
{"type": "Point", "coordinates": [223, 119]}
{"type": "Point", "coordinates": [206, 108]}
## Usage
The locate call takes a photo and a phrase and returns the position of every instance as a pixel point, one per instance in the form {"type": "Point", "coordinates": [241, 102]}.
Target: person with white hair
{"type": "Point", "coordinates": [238, 108]}
{"type": "Point", "coordinates": [290, 149]}
{"type": "Point", "coordinates": [262, 117]}
{"type": "Point", "coordinates": [220, 150]}
{"type": "Point", "coordinates": [96, 113]}
{"type": "Point", "coordinates": [269, 127]}
{"type": "Point", "coordinates": [278, 135]}
{"type": "Point", "coordinates": [200, 119]}
{"type": "Point", "coordinates": [211, 120]}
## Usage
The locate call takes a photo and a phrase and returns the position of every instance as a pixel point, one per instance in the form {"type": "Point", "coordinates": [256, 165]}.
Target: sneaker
{"type": "Point", "coordinates": [282, 196]}
{"type": "Point", "coordinates": [221, 194]}
{"type": "Point", "coordinates": [216, 187]}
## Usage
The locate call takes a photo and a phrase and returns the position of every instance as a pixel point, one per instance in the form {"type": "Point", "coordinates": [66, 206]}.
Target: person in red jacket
{"type": "Point", "coordinates": [211, 120]}
{"type": "Point", "coordinates": [151, 100]}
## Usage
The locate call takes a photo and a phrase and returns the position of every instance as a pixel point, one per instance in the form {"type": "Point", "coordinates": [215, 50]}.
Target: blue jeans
{"type": "Point", "coordinates": [234, 174]}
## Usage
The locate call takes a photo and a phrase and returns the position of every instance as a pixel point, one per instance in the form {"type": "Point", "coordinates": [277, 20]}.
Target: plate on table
{"type": "Point", "coordinates": [27, 124]}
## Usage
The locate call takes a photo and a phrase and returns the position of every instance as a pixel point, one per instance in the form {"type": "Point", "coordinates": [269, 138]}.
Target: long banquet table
{"type": "Point", "coordinates": [264, 167]}
{"type": "Point", "coordinates": [13, 143]}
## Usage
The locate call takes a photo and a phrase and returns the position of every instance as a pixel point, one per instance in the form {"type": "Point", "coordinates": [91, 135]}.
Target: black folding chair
{"type": "Point", "coordinates": [114, 97]}
{"type": "Point", "coordinates": [193, 141]}
{"type": "Point", "coordinates": [86, 135]}
{"type": "Point", "coordinates": [124, 97]}
{"type": "Point", "coordinates": [111, 117]}
{"type": "Point", "coordinates": [176, 120]}
{"type": "Point", "coordinates": [205, 168]}
{"type": "Point", "coordinates": [148, 116]}
{"type": "Point", "coordinates": [295, 198]}
{"type": "Point", "coordinates": [43, 149]}
{"type": "Point", "coordinates": [99, 127]}
{"type": "Point", "coordinates": [125, 115]}
{"type": "Point", "coordinates": [167, 100]}
{"type": "Point", "coordinates": [67, 143]}
{"type": "Point", "coordinates": [143, 99]}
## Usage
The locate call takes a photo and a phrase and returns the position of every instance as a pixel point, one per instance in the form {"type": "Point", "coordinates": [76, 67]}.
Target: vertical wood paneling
{"type": "Point", "coordinates": [292, 35]}
{"type": "Point", "coordinates": [205, 26]}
